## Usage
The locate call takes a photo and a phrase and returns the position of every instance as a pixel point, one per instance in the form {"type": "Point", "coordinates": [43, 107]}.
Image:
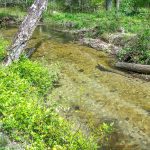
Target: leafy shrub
{"type": "Point", "coordinates": [34, 73]}
{"type": "Point", "coordinates": [24, 115]}
{"type": "Point", "coordinates": [131, 7]}
{"type": "Point", "coordinates": [108, 25]}
{"type": "Point", "coordinates": [138, 52]}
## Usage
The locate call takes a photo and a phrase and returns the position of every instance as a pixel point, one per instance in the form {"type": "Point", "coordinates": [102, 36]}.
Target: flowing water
{"type": "Point", "coordinates": [91, 96]}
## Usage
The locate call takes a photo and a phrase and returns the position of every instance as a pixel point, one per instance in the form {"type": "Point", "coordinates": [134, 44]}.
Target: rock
{"type": "Point", "coordinates": [110, 43]}
{"type": "Point", "coordinates": [78, 34]}
{"type": "Point", "coordinates": [69, 24]}
{"type": "Point", "coordinates": [121, 30]}
{"type": "Point", "coordinates": [120, 39]}
{"type": "Point", "coordinates": [98, 44]}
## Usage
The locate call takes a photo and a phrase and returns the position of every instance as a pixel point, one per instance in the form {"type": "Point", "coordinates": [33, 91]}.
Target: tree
{"type": "Point", "coordinates": [132, 6]}
{"type": "Point", "coordinates": [25, 31]}
{"type": "Point", "coordinates": [108, 4]}
{"type": "Point", "coordinates": [117, 4]}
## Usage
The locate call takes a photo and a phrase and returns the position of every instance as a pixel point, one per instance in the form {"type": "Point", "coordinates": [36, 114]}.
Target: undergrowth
{"type": "Point", "coordinates": [25, 116]}
{"type": "Point", "coordinates": [139, 51]}
{"type": "Point", "coordinates": [105, 21]}
{"type": "Point", "coordinates": [12, 11]}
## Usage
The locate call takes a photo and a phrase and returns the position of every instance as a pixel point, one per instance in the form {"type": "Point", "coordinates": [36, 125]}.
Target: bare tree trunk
{"type": "Point", "coordinates": [108, 4]}
{"type": "Point", "coordinates": [25, 31]}
{"type": "Point", "coordinates": [117, 4]}
{"type": "Point", "coordinates": [79, 3]}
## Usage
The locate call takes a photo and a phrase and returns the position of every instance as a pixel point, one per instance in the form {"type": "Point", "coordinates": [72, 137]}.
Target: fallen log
{"type": "Point", "coordinates": [128, 75]}
{"type": "Point", "coordinates": [145, 69]}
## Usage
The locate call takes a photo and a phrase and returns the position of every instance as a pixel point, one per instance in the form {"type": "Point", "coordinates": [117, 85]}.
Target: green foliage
{"type": "Point", "coordinates": [131, 7]}
{"type": "Point", "coordinates": [139, 51]}
{"type": "Point", "coordinates": [136, 23]}
{"type": "Point", "coordinates": [20, 3]}
{"type": "Point", "coordinates": [101, 20]}
{"type": "Point", "coordinates": [104, 21]}
{"type": "Point", "coordinates": [103, 132]}
{"type": "Point", "coordinates": [108, 23]}
{"type": "Point", "coordinates": [75, 6]}
{"type": "Point", "coordinates": [34, 73]}
{"type": "Point", "coordinates": [25, 115]}
{"type": "Point", "coordinates": [127, 6]}
{"type": "Point", "coordinates": [12, 12]}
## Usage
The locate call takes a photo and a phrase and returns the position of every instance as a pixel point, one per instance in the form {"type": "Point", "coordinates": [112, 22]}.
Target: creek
{"type": "Point", "coordinates": [88, 95]}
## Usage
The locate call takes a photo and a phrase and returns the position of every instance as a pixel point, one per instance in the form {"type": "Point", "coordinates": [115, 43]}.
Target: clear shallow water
{"type": "Point", "coordinates": [90, 96]}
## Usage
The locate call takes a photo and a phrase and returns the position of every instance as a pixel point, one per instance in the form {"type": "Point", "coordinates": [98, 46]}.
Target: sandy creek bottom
{"type": "Point", "coordinates": [87, 95]}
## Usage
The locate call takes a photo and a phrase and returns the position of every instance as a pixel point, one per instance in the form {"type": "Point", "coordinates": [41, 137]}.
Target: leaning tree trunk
{"type": "Point", "coordinates": [25, 31]}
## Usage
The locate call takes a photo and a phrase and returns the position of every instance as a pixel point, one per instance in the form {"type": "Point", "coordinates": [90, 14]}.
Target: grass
{"type": "Point", "coordinates": [106, 21]}
{"type": "Point", "coordinates": [25, 115]}
{"type": "Point", "coordinates": [12, 11]}
{"type": "Point", "coordinates": [139, 51]}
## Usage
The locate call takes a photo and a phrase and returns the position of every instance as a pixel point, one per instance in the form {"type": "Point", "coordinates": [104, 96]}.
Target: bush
{"type": "Point", "coordinates": [138, 52]}
{"type": "Point", "coordinates": [24, 115]}
{"type": "Point", "coordinates": [108, 24]}
{"type": "Point", "coordinates": [131, 7]}
{"type": "Point", "coordinates": [34, 73]}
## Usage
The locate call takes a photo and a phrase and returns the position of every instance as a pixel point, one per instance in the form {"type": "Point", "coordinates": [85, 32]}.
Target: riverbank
{"type": "Point", "coordinates": [128, 40]}
{"type": "Point", "coordinates": [104, 21]}
{"type": "Point", "coordinates": [97, 25]}
{"type": "Point", "coordinates": [11, 16]}
{"type": "Point", "coordinates": [92, 97]}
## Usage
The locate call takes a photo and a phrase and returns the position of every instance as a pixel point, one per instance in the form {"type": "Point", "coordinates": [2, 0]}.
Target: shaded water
{"type": "Point", "coordinates": [90, 96]}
